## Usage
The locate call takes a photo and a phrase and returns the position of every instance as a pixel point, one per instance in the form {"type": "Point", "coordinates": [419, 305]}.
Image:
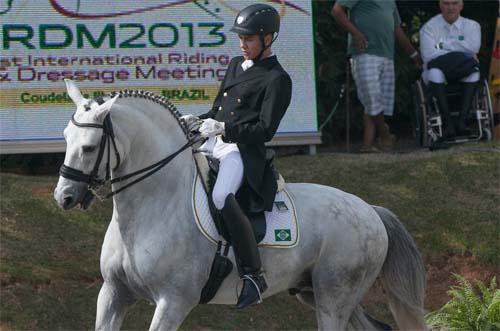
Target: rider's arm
{"type": "Point", "coordinates": [276, 100]}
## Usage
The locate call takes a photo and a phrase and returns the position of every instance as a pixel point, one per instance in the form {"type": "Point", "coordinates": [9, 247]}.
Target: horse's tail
{"type": "Point", "coordinates": [403, 274]}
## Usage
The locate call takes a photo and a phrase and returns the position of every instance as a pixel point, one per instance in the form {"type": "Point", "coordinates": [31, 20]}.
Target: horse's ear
{"type": "Point", "coordinates": [105, 108]}
{"type": "Point", "coordinates": [73, 92]}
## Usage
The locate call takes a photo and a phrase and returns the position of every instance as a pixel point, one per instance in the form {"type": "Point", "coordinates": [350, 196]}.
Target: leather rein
{"type": "Point", "coordinates": [108, 139]}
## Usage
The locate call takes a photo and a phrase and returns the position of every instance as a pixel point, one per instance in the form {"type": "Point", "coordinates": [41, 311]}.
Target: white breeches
{"type": "Point", "coordinates": [230, 175]}
{"type": "Point", "coordinates": [437, 76]}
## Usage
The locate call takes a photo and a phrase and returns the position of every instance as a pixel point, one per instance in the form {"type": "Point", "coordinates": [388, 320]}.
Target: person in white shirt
{"type": "Point", "coordinates": [443, 34]}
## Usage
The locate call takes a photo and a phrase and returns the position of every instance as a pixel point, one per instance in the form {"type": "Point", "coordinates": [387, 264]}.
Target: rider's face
{"type": "Point", "coordinates": [451, 9]}
{"type": "Point", "coordinates": [251, 46]}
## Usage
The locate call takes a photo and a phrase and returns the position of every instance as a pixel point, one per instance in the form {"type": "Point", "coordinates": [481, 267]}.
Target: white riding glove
{"type": "Point", "coordinates": [211, 128]}
{"type": "Point", "coordinates": [190, 120]}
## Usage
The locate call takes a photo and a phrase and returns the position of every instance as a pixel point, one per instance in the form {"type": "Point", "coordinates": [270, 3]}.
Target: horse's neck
{"type": "Point", "coordinates": [154, 202]}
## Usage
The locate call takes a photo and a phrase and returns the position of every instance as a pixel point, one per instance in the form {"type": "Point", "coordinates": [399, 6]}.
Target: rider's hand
{"type": "Point", "coordinates": [211, 128]}
{"type": "Point", "coordinates": [190, 120]}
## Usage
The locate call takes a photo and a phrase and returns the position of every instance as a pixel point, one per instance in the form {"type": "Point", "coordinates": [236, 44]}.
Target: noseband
{"type": "Point", "coordinates": [108, 138]}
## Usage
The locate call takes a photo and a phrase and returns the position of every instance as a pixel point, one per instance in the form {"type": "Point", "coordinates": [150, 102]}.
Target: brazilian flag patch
{"type": "Point", "coordinates": [282, 235]}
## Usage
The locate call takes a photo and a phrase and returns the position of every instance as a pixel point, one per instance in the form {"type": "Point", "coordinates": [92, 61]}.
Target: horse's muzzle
{"type": "Point", "coordinates": [69, 194]}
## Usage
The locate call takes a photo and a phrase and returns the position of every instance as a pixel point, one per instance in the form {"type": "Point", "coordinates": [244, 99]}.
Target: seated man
{"type": "Point", "coordinates": [449, 44]}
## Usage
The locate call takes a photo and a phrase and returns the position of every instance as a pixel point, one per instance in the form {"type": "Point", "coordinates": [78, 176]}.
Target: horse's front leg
{"type": "Point", "coordinates": [170, 312]}
{"type": "Point", "coordinates": [112, 305]}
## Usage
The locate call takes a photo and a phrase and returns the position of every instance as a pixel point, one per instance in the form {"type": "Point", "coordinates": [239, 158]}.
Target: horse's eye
{"type": "Point", "coordinates": [88, 149]}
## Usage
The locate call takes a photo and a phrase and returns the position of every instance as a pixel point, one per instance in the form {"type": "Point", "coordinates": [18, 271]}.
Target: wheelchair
{"type": "Point", "coordinates": [427, 125]}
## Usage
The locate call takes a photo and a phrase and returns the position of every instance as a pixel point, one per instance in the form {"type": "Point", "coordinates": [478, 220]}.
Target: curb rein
{"type": "Point", "coordinates": [108, 136]}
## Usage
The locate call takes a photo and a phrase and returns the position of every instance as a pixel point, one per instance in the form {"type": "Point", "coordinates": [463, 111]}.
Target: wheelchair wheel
{"type": "Point", "coordinates": [489, 107]}
{"type": "Point", "coordinates": [487, 135]}
{"type": "Point", "coordinates": [419, 115]}
{"type": "Point", "coordinates": [484, 109]}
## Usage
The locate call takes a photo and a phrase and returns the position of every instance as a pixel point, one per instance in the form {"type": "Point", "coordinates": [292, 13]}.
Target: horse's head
{"type": "Point", "coordinates": [88, 138]}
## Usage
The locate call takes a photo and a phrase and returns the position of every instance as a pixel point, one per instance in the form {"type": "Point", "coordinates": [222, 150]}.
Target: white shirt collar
{"type": "Point", "coordinates": [457, 24]}
{"type": "Point", "coordinates": [247, 64]}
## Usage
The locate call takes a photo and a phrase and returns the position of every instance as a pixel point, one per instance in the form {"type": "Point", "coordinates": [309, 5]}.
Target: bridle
{"type": "Point", "coordinates": [108, 138]}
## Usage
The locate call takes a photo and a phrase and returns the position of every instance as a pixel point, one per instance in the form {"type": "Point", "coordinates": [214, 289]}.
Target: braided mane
{"type": "Point", "coordinates": [158, 99]}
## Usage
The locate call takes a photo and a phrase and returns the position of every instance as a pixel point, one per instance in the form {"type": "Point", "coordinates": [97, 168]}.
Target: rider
{"type": "Point", "coordinates": [246, 113]}
{"type": "Point", "coordinates": [449, 44]}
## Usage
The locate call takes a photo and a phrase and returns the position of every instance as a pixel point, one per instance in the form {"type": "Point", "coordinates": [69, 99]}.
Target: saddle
{"type": "Point", "coordinates": [208, 169]}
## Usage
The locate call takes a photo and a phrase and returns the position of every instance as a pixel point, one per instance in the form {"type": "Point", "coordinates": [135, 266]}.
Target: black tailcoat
{"type": "Point", "coordinates": [251, 103]}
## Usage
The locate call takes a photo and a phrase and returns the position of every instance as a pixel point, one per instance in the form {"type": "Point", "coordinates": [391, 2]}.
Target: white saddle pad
{"type": "Point", "coordinates": [281, 232]}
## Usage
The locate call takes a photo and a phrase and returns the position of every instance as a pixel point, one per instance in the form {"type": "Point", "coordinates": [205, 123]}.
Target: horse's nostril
{"type": "Point", "coordinates": [67, 201]}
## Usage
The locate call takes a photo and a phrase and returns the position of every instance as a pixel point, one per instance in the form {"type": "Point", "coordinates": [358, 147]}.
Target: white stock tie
{"type": "Point", "coordinates": [246, 64]}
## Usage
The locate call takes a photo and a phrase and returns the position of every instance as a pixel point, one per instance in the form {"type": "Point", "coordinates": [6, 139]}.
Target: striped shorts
{"type": "Point", "coordinates": [375, 83]}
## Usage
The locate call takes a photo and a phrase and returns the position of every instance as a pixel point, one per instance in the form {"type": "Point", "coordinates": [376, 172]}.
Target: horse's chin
{"type": "Point", "coordinates": [87, 200]}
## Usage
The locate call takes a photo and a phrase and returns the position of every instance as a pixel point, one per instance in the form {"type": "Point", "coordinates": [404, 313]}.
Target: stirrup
{"type": "Point", "coordinates": [255, 281]}
{"type": "Point", "coordinates": [250, 278]}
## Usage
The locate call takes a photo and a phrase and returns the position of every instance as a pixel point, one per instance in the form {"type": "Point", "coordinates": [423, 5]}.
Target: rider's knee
{"type": "Point", "coordinates": [219, 198]}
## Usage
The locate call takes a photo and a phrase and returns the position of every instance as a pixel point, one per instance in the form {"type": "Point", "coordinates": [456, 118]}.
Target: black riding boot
{"type": "Point", "coordinates": [468, 92]}
{"type": "Point", "coordinates": [246, 251]}
{"type": "Point", "coordinates": [439, 92]}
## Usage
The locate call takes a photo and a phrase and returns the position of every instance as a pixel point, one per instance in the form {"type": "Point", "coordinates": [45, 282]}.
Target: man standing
{"type": "Point", "coordinates": [449, 44]}
{"type": "Point", "coordinates": [372, 26]}
{"type": "Point", "coordinates": [246, 113]}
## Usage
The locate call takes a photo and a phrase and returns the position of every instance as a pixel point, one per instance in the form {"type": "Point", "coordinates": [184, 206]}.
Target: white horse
{"type": "Point", "coordinates": [154, 251]}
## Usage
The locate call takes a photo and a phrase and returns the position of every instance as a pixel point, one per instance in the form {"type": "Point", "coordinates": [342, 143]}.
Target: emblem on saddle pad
{"type": "Point", "coordinates": [282, 235]}
{"type": "Point", "coordinates": [281, 224]}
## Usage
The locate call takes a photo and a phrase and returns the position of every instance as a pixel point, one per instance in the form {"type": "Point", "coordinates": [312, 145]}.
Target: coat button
{"type": "Point", "coordinates": [239, 100]}
{"type": "Point", "coordinates": [220, 108]}
{"type": "Point", "coordinates": [225, 94]}
{"type": "Point", "coordinates": [232, 113]}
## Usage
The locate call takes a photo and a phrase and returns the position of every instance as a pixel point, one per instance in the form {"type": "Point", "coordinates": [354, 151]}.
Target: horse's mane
{"type": "Point", "coordinates": [158, 99]}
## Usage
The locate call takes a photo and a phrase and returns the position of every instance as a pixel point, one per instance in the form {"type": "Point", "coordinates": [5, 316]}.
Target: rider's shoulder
{"type": "Point", "coordinates": [277, 71]}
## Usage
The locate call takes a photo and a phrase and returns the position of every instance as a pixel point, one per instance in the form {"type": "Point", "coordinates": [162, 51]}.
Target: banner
{"type": "Point", "coordinates": [176, 48]}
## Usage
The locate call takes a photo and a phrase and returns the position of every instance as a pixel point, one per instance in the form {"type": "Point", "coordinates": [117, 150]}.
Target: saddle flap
{"type": "Point", "coordinates": [281, 223]}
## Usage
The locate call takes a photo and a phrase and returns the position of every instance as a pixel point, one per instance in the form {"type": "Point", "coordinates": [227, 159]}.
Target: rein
{"type": "Point", "coordinates": [108, 138]}
{"type": "Point", "coordinates": [155, 167]}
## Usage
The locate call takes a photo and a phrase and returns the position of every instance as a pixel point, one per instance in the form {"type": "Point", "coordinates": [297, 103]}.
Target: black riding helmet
{"type": "Point", "coordinates": [257, 19]}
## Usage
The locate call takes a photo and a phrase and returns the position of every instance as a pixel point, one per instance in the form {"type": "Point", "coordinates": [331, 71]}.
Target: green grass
{"type": "Point", "coordinates": [49, 270]}
{"type": "Point", "coordinates": [450, 201]}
